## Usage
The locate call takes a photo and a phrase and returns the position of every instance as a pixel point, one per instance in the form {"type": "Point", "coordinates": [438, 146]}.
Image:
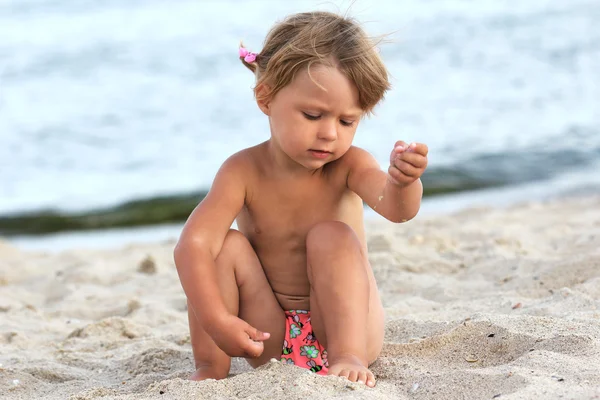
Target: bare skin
{"type": "Point", "coordinates": [301, 241]}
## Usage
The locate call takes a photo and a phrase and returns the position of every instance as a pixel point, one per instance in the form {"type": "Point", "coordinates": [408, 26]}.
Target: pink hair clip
{"type": "Point", "coordinates": [249, 57]}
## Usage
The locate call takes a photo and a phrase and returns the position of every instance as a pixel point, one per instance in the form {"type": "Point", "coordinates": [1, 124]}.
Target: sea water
{"type": "Point", "coordinates": [102, 102]}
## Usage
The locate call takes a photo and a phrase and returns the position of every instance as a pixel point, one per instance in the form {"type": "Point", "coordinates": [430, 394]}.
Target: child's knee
{"type": "Point", "coordinates": [331, 236]}
{"type": "Point", "coordinates": [234, 240]}
{"type": "Point", "coordinates": [234, 245]}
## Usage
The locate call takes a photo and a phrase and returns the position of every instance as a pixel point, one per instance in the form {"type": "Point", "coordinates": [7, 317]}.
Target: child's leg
{"type": "Point", "coordinates": [247, 294]}
{"type": "Point", "coordinates": [346, 311]}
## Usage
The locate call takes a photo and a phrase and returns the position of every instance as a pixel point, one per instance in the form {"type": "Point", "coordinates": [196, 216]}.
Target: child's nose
{"type": "Point", "coordinates": [327, 130]}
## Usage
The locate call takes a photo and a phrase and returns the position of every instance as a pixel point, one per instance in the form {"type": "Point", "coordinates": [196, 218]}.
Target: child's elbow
{"type": "Point", "coordinates": [178, 253]}
{"type": "Point", "coordinates": [185, 247]}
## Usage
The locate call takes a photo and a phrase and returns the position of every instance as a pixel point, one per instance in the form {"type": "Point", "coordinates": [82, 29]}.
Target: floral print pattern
{"type": "Point", "coordinates": [300, 346]}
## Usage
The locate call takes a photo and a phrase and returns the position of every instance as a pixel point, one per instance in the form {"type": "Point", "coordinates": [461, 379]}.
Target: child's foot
{"type": "Point", "coordinates": [208, 372]}
{"type": "Point", "coordinates": [352, 368]}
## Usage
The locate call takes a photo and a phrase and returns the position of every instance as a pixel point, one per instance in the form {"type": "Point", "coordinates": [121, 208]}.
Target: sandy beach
{"type": "Point", "coordinates": [481, 304]}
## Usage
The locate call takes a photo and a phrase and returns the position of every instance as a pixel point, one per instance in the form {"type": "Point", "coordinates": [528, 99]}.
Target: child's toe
{"type": "Point", "coordinates": [362, 377]}
{"type": "Point", "coordinates": [353, 376]}
{"type": "Point", "coordinates": [370, 379]}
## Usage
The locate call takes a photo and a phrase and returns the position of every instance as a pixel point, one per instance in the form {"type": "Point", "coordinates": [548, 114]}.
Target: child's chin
{"type": "Point", "coordinates": [316, 164]}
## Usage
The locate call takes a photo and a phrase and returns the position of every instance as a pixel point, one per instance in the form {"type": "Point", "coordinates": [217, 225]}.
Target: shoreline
{"type": "Point", "coordinates": [431, 206]}
{"type": "Point", "coordinates": [439, 184]}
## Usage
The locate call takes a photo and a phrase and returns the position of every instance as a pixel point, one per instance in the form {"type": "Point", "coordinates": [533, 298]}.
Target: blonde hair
{"type": "Point", "coordinates": [304, 39]}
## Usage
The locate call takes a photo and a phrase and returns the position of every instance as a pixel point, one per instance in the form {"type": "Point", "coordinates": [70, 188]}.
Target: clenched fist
{"type": "Point", "coordinates": [407, 162]}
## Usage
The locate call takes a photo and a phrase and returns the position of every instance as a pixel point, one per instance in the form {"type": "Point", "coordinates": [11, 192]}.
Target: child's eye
{"type": "Point", "coordinates": [316, 117]}
{"type": "Point", "coordinates": [311, 117]}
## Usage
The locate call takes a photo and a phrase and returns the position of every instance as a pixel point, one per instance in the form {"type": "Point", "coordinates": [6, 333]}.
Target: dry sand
{"type": "Point", "coordinates": [483, 304]}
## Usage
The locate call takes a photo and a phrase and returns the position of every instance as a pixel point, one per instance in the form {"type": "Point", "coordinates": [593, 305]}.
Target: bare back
{"type": "Point", "coordinates": [278, 213]}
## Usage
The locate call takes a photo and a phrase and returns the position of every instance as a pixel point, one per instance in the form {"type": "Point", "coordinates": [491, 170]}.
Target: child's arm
{"type": "Point", "coordinates": [395, 195]}
{"type": "Point", "coordinates": [199, 245]}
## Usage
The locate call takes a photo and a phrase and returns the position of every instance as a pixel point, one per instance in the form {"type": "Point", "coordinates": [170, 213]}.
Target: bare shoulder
{"type": "Point", "coordinates": [248, 161]}
{"type": "Point", "coordinates": [356, 160]}
{"type": "Point", "coordinates": [241, 167]}
{"type": "Point", "coordinates": [240, 161]}
{"type": "Point", "coordinates": [357, 155]}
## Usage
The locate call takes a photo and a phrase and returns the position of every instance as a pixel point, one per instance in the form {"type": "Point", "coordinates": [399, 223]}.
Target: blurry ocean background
{"type": "Point", "coordinates": [108, 107]}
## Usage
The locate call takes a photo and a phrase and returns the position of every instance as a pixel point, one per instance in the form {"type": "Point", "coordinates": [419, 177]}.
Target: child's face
{"type": "Point", "coordinates": [311, 125]}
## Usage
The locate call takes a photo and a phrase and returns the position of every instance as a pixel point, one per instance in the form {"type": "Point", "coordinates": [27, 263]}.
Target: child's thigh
{"type": "Point", "coordinates": [257, 303]}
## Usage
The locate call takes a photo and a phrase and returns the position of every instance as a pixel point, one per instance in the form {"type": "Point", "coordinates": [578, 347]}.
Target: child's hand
{"type": "Point", "coordinates": [238, 339]}
{"type": "Point", "coordinates": [407, 162]}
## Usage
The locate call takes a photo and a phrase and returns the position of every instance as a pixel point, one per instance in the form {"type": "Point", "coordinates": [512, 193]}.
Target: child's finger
{"type": "Point", "coordinates": [420, 148]}
{"type": "Point", "coordinates": [407, 169]}
{"type": "Point", "coordinates": [399, 148]}
{"type": "Point", "coordinates": [398, 177]}
{"type": "Point", "coordinates": [257, 335]}
{"type": "Point", "coordinates": [414, 159]}
{"type": "Point", "coordinates": [254, 349]}
{"type": "Point", "coordinates": [400, 143]}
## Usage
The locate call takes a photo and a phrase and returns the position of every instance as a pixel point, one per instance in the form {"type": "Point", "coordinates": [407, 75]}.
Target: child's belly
{"type": "Point", "coordinates": [285, 269]}
{"type": "Point", "coordinates": [289, 303]}
{"type": "Point", "coordinates": [279, 241]}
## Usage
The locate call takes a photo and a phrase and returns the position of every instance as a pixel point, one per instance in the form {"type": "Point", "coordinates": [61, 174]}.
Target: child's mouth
{"type": "Point", "coordinates": [319, 153]}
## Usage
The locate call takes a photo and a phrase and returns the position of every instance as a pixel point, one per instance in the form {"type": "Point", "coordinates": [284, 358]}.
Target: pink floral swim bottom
{"type": "Point", "coordinates": [300, 346]}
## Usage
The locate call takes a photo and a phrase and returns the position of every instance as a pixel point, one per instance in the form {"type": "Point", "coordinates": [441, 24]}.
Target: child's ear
{"type": "Point", "coordinates": [263, 101]}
